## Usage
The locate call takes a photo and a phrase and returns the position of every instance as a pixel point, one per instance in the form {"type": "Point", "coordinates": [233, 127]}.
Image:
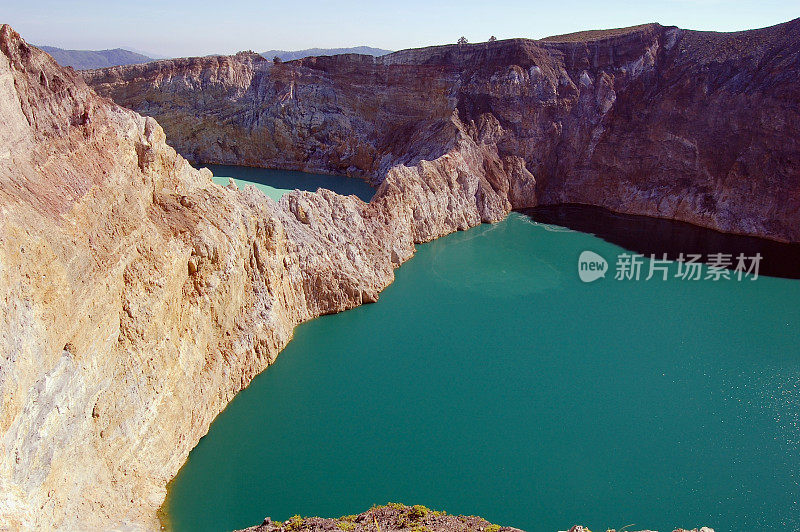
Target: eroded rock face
{"type": "Point", "coordinates": [696, 126]}
{"type": "Point", "coordinates": [138, 297]}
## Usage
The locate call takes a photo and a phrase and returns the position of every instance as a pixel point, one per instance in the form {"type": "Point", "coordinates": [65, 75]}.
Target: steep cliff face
{"type": "Point", "coordinates": [652, 120]}
{"type": "Point", "coordinates": [138, 297]}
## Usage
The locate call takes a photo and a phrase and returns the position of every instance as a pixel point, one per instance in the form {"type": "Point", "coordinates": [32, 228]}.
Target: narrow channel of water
{"type": "Point", "coordinates": [489, 380]}
{"type": "Point", "coordinates": [275, 183]}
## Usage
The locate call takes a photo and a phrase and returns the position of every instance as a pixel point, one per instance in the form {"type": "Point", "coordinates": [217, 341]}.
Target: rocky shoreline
{"type": "Point", "coordinates": [394, 517]}
{"type": "Point", "coordinates": [139, 297]}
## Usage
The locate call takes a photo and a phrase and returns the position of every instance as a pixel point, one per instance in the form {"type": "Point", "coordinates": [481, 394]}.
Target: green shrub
{"type": "Point", "coordinates": [417, 512]}
{"type": "Point", "coordinates": [294, 523]}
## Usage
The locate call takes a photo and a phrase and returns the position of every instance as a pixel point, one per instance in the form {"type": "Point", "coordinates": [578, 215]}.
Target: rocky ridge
{"type": "Point", "coordinates": [138, 297]}
{"type": "Point", "coordinates": [695, 126]}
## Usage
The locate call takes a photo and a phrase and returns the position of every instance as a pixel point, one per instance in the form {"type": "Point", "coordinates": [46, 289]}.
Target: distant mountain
{"type": "Point", "coordinates": [86, 59]}
{"type": "Point", "coordinates": [153, 56]}
{"type": "Point", "coordinates": [299, 54]}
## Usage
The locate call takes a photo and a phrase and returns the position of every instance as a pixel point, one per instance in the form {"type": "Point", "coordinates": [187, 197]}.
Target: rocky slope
{"type": "Point", "coordinates": [138, 297]}
{"type": "Point", "coordinates": [696, 126]}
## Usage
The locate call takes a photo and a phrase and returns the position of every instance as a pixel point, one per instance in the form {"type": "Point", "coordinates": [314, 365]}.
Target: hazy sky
{"type": "Point", "coordinates": [198, 27]}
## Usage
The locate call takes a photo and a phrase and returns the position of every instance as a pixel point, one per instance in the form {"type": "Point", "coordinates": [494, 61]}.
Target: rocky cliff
{"type": "Point", "coordinates": [138, 297]}
{"type": "Point", "coordinates": [696, 126]}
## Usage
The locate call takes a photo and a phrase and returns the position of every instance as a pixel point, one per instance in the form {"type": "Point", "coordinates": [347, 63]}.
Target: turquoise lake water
{"type": "Point", "coordinates": [275, 183]}
{"type": "Point", "coordinates": [489, 380]}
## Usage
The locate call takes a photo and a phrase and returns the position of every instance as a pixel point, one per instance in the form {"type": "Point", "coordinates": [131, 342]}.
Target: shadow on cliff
{"type": "Point", "coordinates": [647, 235]}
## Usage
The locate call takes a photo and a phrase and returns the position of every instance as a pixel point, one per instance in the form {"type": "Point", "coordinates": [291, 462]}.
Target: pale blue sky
{"type": "Point", "coordinates": [199, 27]}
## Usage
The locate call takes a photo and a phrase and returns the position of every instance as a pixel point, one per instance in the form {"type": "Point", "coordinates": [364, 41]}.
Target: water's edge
{"type": "Point", "coordinates": [650, 235]}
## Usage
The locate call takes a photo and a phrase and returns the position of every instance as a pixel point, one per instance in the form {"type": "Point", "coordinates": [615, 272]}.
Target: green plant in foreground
{"type": "Point", "coordinates": [347, 526]}
{"type": "Point", "coordinates": [417, 512]}
{"type": "Point", "coordinates": [294, 523]}
{"type": "Point", "coordinates": [492, 528]}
